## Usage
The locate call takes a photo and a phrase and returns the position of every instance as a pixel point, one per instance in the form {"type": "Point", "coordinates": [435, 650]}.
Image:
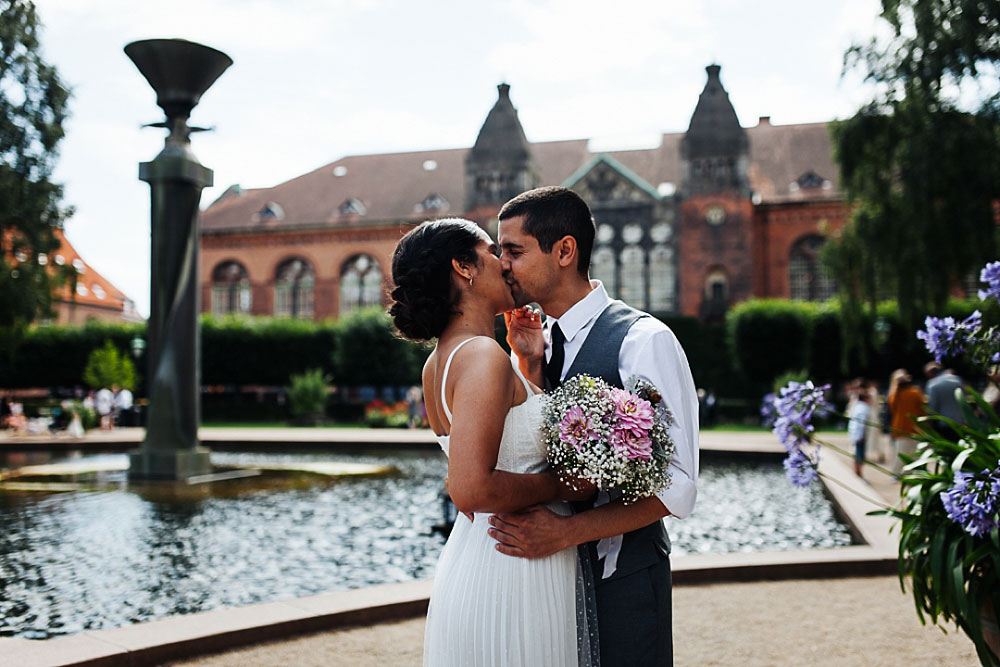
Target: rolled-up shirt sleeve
{"type": "Point", "coordinates": [652, 352]}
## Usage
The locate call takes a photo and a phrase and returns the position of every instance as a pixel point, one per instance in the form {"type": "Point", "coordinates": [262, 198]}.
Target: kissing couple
{"type": "Point", "coordinates": [535, 573]}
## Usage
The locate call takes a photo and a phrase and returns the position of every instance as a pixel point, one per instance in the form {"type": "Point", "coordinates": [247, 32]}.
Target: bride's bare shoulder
{"type": "Point", "coordinates": [482, 355]}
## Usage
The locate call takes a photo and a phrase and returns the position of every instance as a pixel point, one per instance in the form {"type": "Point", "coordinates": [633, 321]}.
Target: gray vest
{"type": "Point", "coordinates": [598, 357]}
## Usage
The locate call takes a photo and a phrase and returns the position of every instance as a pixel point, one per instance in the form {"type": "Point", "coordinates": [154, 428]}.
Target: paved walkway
{"type": "Point", "coordinates": [825, 623]}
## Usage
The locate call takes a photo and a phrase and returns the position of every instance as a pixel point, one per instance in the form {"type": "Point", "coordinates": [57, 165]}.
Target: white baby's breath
{"type": "Point", "coordinates": [595, 459]}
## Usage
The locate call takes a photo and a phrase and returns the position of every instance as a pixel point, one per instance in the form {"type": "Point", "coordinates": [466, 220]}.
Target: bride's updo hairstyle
{"type": "Point", "coordinates": [424, 299]}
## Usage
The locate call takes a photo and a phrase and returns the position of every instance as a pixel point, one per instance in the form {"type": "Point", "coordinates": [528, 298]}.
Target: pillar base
{"type": "Point", "coordinates": [176, 465]}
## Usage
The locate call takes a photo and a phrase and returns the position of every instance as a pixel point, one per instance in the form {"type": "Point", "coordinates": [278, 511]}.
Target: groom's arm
{"type": "Point", "coordinates": [538, 532]}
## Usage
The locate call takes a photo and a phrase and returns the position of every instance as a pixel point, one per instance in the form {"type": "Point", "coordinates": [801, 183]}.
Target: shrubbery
{"type": "Point", "coordinates": [307, 393]}
{"type": "Point", "coordinates": [771, 337]}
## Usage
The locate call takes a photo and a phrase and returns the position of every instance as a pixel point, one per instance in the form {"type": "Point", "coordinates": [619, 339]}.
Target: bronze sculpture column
{"type": "Point", "coordinates": [179, 72]}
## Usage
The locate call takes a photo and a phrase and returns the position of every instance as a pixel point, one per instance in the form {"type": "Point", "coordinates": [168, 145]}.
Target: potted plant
{"type": "Point", "coordinates": [949, 507]}
{"type": "Point", "coordinates": [307, 397]}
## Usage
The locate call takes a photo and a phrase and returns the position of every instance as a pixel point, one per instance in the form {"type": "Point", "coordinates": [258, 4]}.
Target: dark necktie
{"type": "Point", "coordinates": [553, 368]}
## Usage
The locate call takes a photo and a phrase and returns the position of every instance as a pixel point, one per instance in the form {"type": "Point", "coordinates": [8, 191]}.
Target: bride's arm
{"type": "Point", "coordinates": [482, 387]}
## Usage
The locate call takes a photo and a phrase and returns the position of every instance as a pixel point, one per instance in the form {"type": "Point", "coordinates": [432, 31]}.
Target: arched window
{"type": "Point", "coordinates": [807, 279]}
{"type": "Point", "coordinates": [661, 278]}
{"type": "Point", "coordinates": [633, 285]}
{"type": "Point", "coordinates": [230, 289]}
{"type": "Point", "coordinates": [293, 289]}
{"type": "Point", "coordinates": [717, 286]}
{"type": "Point", "coordinates": [360, 283]}
{"type": "Point", "coordinates": [602, 267]}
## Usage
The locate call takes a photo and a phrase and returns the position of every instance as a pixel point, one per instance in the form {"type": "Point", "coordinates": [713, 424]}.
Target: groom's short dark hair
{"type": "Point", "coordinates": [550, 213]}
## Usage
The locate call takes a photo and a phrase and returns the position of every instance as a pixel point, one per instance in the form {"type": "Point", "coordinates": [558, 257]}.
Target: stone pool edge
{"type": "Point", "coordinates": [177, 637]}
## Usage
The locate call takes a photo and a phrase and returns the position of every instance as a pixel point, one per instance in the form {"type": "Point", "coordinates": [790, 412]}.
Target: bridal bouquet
{"type": "Point", "coordinates": [610, 437]}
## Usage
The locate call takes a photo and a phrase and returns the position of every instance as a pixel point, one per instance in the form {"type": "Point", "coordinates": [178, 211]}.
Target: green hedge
{"type": "Point", "coordinates": [769, 337]}
{"type": "Point", "coordinates": [360, 349]}
{"type": "Point", "coordinates": [52, 356]}
{"type": "Point", "coordinates": [263, 350]}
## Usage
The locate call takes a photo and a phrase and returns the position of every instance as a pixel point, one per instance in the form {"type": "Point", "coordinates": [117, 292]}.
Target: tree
{"type": "Point", "coordinates": [109, 367]}
{"type": "Point", "coordinates": [920, 164]}
{"type": "Point", "coordinates": [33, 108]}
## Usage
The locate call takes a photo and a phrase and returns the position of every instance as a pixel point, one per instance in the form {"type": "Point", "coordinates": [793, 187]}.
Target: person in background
{"type": "Point", "coordinates": [123, 407]}
{"type": "Point", "coordinates": [104, 403]}
{"type": "Point", "coordinates": [857, 421]}
{"type": "Point", "coordinates": [415, 406]}
{"type": "Point", "coordinates": [991, 393]}
{"type": "Point", "coordinates": [877, 443]}
{"type": "Point", "coordinates": [906, 403]}
{"type": "Point", "coordinates": [943, 391]}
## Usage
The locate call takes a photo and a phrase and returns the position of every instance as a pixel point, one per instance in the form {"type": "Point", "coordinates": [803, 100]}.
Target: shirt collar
{"type": "Point", "coordinates": [581, 313]}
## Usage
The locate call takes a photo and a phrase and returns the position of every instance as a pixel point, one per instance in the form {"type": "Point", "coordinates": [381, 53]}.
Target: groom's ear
{"type": "Point", "coordinates": [565, 251]}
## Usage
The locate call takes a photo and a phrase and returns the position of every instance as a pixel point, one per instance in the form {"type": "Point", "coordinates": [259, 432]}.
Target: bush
{"type": "Point", "coordinates": [307, 394]}
{"type": "Point", "coordinates": [55, 356]}
{"type": "Point", "coordinates": [107, 367]}
{"type": "Point", "coordinates": [768, 337]}
{"type": "Point", "coordinates": [263, 350]}
{"type": "Point", "coordinates": [369, 352]}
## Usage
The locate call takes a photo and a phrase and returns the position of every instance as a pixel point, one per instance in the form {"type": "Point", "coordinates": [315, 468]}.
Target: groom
{"type": "Point", "coordinates": [546, 236]}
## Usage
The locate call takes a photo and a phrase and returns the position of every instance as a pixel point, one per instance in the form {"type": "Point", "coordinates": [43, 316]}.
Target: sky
{"type": "Point", "coordinates": [315, 80]}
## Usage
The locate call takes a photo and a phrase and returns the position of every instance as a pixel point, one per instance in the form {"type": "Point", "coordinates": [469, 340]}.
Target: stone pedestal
{"type": "Point", "coordinates": [168, 465]}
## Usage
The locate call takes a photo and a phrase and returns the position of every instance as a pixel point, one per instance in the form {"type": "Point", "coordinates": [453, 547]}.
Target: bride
{"type": "Point", "coordinates": [486, 608]}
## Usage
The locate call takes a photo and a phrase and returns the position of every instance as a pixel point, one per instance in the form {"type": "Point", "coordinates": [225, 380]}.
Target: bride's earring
{"type": "Point", "coordinates": [470, 281]}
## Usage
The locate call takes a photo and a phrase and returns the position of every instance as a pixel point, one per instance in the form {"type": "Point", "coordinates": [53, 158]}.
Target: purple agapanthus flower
{"type": "Point", "coordinates": [796, 406]}
{"type": "Point", "coordinates": [973, 501]}
{"type": "Point", "coordinates": [768, 412]}
{"type": "Point", "coordinates": [800, 469]}
{"type": "Point", "coordinates": [991, 276]}
{"type": "Point", "coordinates": [944, 337]}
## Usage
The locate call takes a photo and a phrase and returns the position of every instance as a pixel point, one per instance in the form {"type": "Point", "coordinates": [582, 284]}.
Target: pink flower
{"type": "Point", "coordinates": [633, 445]}
{"type": "Point", "coordinates": [631, 412]}
{"type": "Point", "coordinates": [575, 428]}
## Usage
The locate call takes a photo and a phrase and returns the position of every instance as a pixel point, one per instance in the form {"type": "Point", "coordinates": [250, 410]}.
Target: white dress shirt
{"type": "Point", "coordinates": [651, 352]}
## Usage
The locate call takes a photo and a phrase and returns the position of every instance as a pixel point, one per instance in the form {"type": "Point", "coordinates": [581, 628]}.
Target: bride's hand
{"type": "Point", "coordinates": [524, 333]}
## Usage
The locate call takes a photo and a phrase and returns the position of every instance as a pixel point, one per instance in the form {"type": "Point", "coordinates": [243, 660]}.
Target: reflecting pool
{"type": "Point", "coordinates": [103, 557]}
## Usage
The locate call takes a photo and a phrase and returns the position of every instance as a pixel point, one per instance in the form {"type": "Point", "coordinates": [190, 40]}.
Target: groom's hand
{"type": "Point", "coordinates": [524, 333]}
{"type": "Point", "coordinates": [536, 532]}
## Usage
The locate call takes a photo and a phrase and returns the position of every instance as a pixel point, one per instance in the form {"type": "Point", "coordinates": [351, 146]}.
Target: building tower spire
{"type": "Point", "coordinates": [715, 149]}
{"type": "Point", "coordinates": [500, 164]}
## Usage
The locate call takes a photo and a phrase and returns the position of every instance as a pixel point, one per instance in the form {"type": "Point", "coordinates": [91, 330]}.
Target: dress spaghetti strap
{"type": "Point", "coordinates": [444, 377]}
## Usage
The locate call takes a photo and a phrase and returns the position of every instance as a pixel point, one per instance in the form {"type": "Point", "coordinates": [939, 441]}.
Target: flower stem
{"type": "Point", "coordinates": [835, 448]}
{"type": "Point", "coordinates": [880, 503]}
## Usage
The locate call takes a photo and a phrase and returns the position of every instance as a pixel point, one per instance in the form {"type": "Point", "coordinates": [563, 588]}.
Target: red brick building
{"type": "Point", "coordinates": [710, 217]}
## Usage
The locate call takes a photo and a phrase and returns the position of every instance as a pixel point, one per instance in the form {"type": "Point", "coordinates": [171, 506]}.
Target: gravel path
{"type": "Point", "coordinates": [861, 622]}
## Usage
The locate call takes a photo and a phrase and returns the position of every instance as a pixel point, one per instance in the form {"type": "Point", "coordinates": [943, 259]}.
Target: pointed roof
{"type": "Point", "coordinates": [714, 130]}
{"type": "Point", "coordinates": [501, 138]}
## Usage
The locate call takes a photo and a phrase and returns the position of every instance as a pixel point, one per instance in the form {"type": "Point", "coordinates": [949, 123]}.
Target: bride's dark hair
{"type": "Point", "coordinates": [423, 297]}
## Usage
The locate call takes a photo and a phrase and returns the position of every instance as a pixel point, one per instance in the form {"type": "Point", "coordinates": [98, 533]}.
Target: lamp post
{"type": "Point", "coordinates": [180, 72]}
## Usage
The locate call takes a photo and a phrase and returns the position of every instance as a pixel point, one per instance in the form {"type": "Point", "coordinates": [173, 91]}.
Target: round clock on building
{"type": "Point", "coordinates": [715, 215]}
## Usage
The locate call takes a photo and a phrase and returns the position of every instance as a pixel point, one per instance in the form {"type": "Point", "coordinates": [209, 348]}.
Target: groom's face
{"type": "Point", "coordinates": [529, 271]}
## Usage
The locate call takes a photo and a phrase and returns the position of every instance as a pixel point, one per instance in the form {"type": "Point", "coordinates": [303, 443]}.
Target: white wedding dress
{"type": "Point", "coordinates": [489, 609]}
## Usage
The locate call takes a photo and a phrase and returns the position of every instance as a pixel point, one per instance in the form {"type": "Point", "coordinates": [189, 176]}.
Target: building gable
{"type": "Point", "coordinates": [605, 179]}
